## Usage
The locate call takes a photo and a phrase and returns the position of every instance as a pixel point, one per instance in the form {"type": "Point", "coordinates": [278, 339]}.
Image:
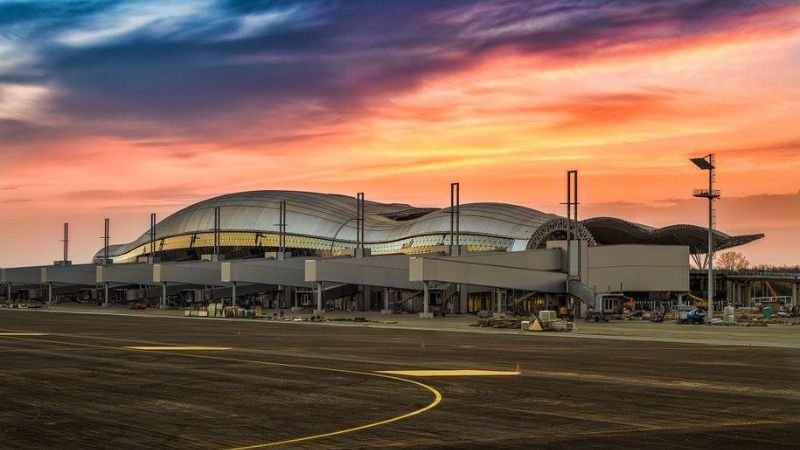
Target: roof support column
{"type": "Point", "coordinates": [462, 299]}
{"type": "Point", "coordinates": [498, 294]}
{"type": "Point", "coordinates": [296, 301]}
{"type": "Point", "coordinates": [748, 293]}
{"type": "Point", "coordinates": [49, 293]}
{"type": "Point", "coordinates": [8, 291]}
{"type": "Point", "coordinates": [794, 293]}
{"type": "Point", "coordinates": [105, 295]}
{"type": "Point", "coordinates": [233, 293]}
{"type": "Point", "coordinates": [426, 301]}
{"type": "Point", "coordinates": [386, 309]}
{"type": "Point", "coordinates": [728, 291]}
{"type": "Point", "coordinates": [164, 294]}
{"type": "Point", "coordinates": [318, 290]}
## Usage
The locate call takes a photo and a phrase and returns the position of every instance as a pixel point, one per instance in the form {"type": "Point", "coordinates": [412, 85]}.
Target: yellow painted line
{"type": "Point", "coordinates": [23, 334]}
{"type": "Point", "coordinates": [437, 396]}
{"type": "Point", "coordinates": [451, 373]}
{"type": "Point", "coordinates": [161, 348]}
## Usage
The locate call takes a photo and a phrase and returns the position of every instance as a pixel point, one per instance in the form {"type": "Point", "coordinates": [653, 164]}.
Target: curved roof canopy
{"type": "Point", "coordinates": [611, 230]}
{"type": "Point", "coordinates": [331, 218]}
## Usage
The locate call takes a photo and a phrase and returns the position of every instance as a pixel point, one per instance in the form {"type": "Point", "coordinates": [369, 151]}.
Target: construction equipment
{"type": "Point", "coordinates": [695, 316]}
{"type": "Point", "coordinates": [629, 304]}
{"type": "Point", "coordinates": [699, 303]}
{"type": "Point", "coordinates": [772, 292]}
{"type": "Point", "coordinates": [614, 306]}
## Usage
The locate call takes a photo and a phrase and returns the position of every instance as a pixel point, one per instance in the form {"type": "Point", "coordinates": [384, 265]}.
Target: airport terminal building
{"type": "Point", "coordinates": [328, 225]}
{"type": "Point", "coordinates": [288, 249]}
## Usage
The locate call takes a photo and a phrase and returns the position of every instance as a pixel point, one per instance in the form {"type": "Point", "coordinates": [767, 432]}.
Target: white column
{"type": "Point", "coordinates": [386, 308]}
{"type": "Point", "coordinates": [499, 296]}
{"type": "Point", "coordinates": [729, 291]}
{"type": "Point", "coordinates": [233, 293]}
{"type": "Point", "coordinates": [794, 294]}
{"type": "Point", "coordinates": [426, 301]}
{"type": "Point", "coordinates": [105, 294]}
{"type": "Point", "coordinates": [163, 294]}
{"type": "Point", "coordinates": [462, 299]}
{"type": "Point", "coordinates": [319, 298]}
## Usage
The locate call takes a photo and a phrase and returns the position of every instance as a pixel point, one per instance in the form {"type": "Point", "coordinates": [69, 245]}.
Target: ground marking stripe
{"type": "Point", "coordinates": [158, 348]}
{"type": "Point", "coordinates": [437, 396]}
{"type": "Point", "coordinates": [23, 334]}
{"type": "Point", "coordinates": [451, 373]}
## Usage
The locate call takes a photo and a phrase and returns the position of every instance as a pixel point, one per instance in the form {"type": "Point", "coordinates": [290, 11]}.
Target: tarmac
{"type": "Point", "coordinates": [772, 336]}
{"type": "Point", "coordinates": [114, 378]}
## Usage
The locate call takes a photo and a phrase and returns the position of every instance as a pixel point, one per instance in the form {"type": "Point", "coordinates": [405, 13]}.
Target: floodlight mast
{"type": "Point", "coordinates": [707, 163]}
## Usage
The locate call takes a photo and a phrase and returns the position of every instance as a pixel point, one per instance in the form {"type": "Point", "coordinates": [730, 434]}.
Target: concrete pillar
{"type": "Point", "coordinates": [366, 298]}
{"type": "Point", "coordinates": [426, 300]}
{"type": "Point", "coordinates": [295, 301]}
{"type": "Point", "coordinates": [426, 297]}
{"type": "Point", "coordinates": [794, 293]}
{"type": "Point", "coordinates": [163, 294]}
{"type": "Point", "coordinates": [233, 293]}
{"type": "Point", "coordinates": [580, 309]}
{"type": "Point", "coordinates": [319, 291]}
{"type": "Point", "coordinates": [49, 293]}
{"type": "Point", "coordinates": [748, 293]}
{"type": "Point", "coordinates": [386, 309]}
{"type": "Point", "coordinates": [8, 291]}
{"type": "Point", "coordinates": [499, 295]}
{"type": "Point", "coordinates": [105, 295]}
{"type": "Point", "coordinates": [728, 291]}
{"type": "Point", "coordinates": [462, 299]}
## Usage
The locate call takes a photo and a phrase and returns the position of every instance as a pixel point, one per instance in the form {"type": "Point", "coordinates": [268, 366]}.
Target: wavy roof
{"type": "Point", "coordinates": [332, 217]}
{"type": "Point", "coordinates": [611, 230]}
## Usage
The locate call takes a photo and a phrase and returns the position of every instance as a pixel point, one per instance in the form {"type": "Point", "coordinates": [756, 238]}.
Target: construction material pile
{"type": "Point", "coordinates": [547, 321]}
{"type": "Point", "coordinates": [498, 321]}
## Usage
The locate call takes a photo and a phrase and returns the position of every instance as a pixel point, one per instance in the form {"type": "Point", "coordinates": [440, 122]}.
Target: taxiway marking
{"type": "Point", "coordinates": [23, 334]}
{"type": "Point", "coordinates": [437, 396]}
{"type": "Point", "coordinates": [451, 373]}
{"type": "Point", "coordinates": [161, 348]}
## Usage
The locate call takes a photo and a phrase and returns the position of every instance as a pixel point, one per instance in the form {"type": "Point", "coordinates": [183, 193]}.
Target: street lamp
{"type": "Point", "coordinates": [707, 163]}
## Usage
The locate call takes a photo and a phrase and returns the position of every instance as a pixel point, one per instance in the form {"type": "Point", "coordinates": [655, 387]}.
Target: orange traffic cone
{"type": "Point", "coordinates": [422, 345]}
{"type": "Point", "coordinates": [518, 369]}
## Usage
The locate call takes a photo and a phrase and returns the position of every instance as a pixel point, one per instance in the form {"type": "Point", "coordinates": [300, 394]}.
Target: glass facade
{"type": "Point", "coordinates": [238, 244]}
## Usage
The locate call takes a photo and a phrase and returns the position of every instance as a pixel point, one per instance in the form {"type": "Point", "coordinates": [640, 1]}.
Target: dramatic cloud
{"type": "Point", "coordinates": [144, 68]}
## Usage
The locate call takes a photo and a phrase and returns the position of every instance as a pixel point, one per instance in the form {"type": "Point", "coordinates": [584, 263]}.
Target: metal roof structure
{"type": "Point", "coordinates": [611, 230]}
{"type": "Point", "coordinates": [324, 224]}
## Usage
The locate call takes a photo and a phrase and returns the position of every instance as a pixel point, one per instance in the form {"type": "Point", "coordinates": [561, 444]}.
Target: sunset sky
{"type": "Point", "coordinates": [121, 108]}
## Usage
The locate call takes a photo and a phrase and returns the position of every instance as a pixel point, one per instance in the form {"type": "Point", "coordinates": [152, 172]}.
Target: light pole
{"type": "Point", "coordinates": [707, 163]}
